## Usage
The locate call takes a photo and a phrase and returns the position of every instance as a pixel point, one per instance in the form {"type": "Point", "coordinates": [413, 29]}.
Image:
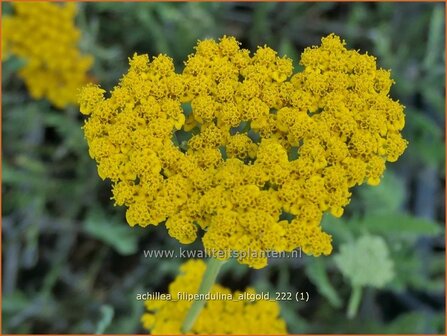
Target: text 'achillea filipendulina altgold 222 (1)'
{"type": "Point", "coordinates": [266, 151]}
{"type": "Point", "coordinates": [44, 35]}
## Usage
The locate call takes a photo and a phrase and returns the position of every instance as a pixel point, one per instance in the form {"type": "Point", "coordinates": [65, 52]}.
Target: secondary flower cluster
{"type": "Point", "coordinates": [44, 35]}
{"type": "Point", "coordinates": [264, 153]}
{"type": "Point", "coordinates": [242, 317]}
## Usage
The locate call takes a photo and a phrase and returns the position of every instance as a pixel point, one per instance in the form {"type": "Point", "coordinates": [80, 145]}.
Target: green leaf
{"type": "Point", "coordinates": [388, 196]}
{"type": "Point", "coordinates": [401, 224]}
{"type": "Point", "coordinates": [417, 323]}
{"type": "Point", "coordinates": [131, 320]}
{"type": "Point", "coordinates": [338, 228]}
{"type": "Point", "coordinates": [13, 176]}
{"type": "Point", "coordinates": [430, 151]}
{"type": "Point", "coordinates": [294, 321]}
{"type": "Point", "coordinates": [316, 272]}
{"type": "Point", "coordinates": [12, 65]}
{"type": "Point", "coordinates": [106, 318]}
{"type": "Point", "coordinates": [118, 235]}
{"type": "Point", "coordinates": [435, 37]}
{"type": "Point", "coordinates": [15, 302]}
{"type": "Point", "coordinates": [415, 269]}
{"type": "Point", "coordinates": [427, 142]}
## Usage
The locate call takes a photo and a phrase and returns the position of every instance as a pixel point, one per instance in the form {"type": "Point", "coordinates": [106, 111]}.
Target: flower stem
{"type": "Point", "coordinates": [209, 277]}
{"type": "Point", "coordinates": [354, 301]}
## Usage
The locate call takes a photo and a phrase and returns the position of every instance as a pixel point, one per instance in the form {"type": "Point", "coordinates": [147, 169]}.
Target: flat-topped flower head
{"type": "Point", "coordinates": [44, 35]}
{"type": "Point", "coordinates": [265, 152]}
{"type": "Point", "coordinates": [226, 312]}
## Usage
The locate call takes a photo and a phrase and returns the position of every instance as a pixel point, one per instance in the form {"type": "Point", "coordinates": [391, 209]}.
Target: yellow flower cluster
{"type": "Point", "coordinates": [268, 153]}
{"type": "Point", "coordinates": [219, 316]}
{"type": "Point", "coordinates": [44, 35]}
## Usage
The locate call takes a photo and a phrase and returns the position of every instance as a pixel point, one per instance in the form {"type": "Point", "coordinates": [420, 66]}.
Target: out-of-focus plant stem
{"type": "Point", "coordinates": [209, 278]}
{"type": "Point", "coordinates": [354, 301]}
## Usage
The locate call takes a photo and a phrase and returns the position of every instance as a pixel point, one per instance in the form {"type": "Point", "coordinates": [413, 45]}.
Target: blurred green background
{"type": "Point", "coordinates": [71, 264]}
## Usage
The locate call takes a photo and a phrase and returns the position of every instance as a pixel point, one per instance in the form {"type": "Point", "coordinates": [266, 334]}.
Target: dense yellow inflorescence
{"type": "Point", "coordinates": [269, 152]}
{"type": "Point", "coordinates": [219, 316]}
{"type": "Point", "coordinates": [44, 35]}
